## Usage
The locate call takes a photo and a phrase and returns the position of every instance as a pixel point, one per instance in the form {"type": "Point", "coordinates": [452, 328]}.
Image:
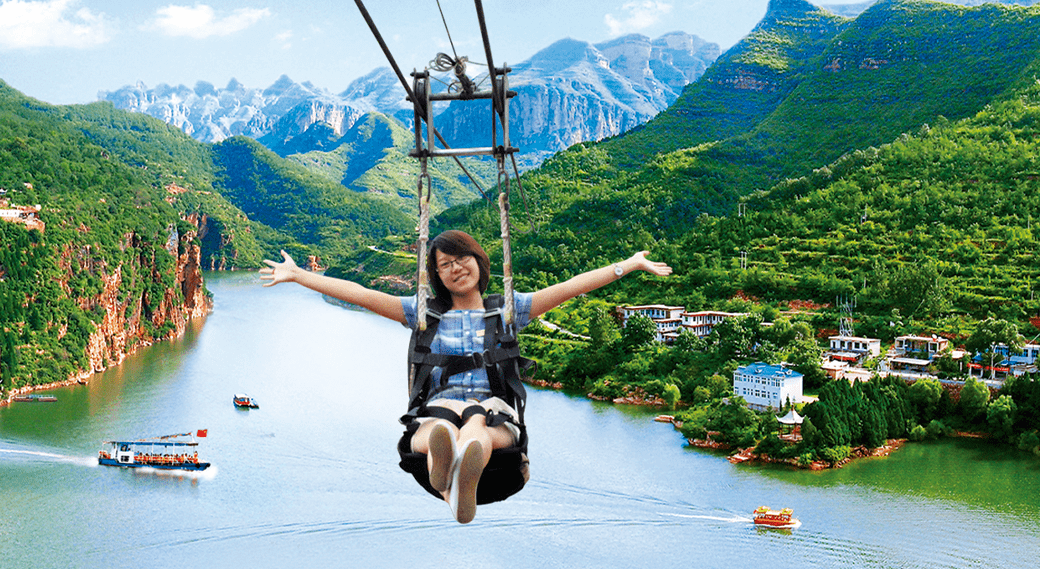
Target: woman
{"type": "Point", "coordinates": [459, 272]}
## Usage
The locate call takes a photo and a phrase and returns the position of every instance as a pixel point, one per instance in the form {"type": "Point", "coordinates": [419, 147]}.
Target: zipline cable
{"type": "Point", "coordinates": [407, 89]}
{"type": "Point", "coordinates": [498, 107]}
{"type": "Point", "coordinates": [446, 30]}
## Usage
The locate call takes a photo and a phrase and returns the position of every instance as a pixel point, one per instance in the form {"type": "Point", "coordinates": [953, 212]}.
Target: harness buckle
{"type": "Point", "coordinates": [481, 359]}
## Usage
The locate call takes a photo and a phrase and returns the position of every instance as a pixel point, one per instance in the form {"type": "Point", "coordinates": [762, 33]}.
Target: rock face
{"type": "Point", "coordinates": [570, 92]}
{"type": "Point", "coordinates": [129, 324]}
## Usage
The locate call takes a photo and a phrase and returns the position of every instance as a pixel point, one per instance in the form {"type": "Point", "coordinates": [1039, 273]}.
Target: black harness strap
{"type": "Point", "coordinates": [507, 471]}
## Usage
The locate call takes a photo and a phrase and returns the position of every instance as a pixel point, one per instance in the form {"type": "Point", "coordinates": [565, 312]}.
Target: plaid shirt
{"type": "Point", "coordinates": [460, 333]}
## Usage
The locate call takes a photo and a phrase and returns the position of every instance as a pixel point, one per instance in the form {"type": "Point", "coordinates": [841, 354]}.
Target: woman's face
{"type": "Point", "coordinates": [460, 275]}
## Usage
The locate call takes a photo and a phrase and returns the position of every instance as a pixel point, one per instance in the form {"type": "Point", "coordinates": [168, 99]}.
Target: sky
{"type": "Point", "coordinates": [67, 51]}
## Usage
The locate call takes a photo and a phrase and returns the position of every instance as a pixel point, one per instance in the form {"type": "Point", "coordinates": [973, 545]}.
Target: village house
{"type": "Point", "coordinates": [846, 355]}
{"type": "Point", "coordinates": [912, 355]}
{"type": "Point", "coordinates": [671, 320]}
{"type": "Point", "coordinates": [999, 364]}
{"type": "Point", "coordinates": [702, 323]}
{"type": "Point", "coordinates": [28, 216]}
{"type": "Point", "coordinates": [766, 386]}
{"type": "Point", "coordinates": [666, 318]}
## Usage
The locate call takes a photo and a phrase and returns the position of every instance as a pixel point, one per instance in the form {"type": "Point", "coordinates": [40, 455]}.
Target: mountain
{"type": "Point", "coordinates": [209, 114]}
{"type": "Point", "coordinates": [613, 86]}
{"type": "Point", "coordinates": [113, 266]}
{"type": "Point", "coordinates": [575, 91]}
{"type": "Point", "coordinates": [372, 157]}
{"type": "Point", "coordinates": [803, 89]}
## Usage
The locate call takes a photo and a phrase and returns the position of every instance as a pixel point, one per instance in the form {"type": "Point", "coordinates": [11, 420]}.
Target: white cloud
{"type": "Point", "coordinates": [284, 39]}
{"type": "Point", "coordinates": [637, 16]}
{"type": "Point", "coordinates": [201, 21]}
{"type": "Point", "coordinates": [50, 23]}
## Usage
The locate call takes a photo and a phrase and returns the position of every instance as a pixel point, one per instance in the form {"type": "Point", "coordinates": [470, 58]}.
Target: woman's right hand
{"type": "Point", "coordinates": [279, 272]}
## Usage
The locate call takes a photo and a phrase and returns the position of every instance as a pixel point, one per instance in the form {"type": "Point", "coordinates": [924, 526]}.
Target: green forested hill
{"type": "Point", "coordinates": [372, 158]}
{"type": "Point", "coordinates": [937, 225]}
{"type": "Point", "coordinates": [899, 66]}
{"type": "Point", "coordinates": [123, 198]}
{"type": "Point", "coordinates": [103, 217]}
{"type": "Point", "coordinates": [281, 194]}
{"type": "Point", "coordinates": [742, 88]}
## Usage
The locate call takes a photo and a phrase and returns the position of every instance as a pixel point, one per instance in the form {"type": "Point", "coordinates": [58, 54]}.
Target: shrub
{"type": "Point", "coordinates": [936, 429]}
{"type": "Point", "coordinates": [918, 433]}
{"type": "Point", "coordinates": [834, 455]}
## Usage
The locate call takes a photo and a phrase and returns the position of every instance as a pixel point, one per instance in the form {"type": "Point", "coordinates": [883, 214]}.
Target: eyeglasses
{"type": "Point", "coordinates": [446, 266]}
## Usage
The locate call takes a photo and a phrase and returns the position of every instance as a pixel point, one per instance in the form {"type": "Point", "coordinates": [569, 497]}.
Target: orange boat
{"type": "Point", "coordinates": [774, 519]}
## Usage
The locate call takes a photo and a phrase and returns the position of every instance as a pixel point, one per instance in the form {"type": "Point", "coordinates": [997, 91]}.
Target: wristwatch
{"type": "Point", "coordinates": [618, 270]}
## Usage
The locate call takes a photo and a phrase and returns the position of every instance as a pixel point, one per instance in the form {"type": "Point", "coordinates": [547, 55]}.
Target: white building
{"type": "Point", "coordinates": [1001, 363]}
{"type": "Point", "coordinates": [651, 311]}
{"type": "Point", "coordinates": [666, 318]}
{"type": "Point", "coordinates": [915, 353]}
{"type": "Point", "coordinates": [701, 323]}
{"type": "Point", "coordinates": [766, 386]}
{"type": "Point", "coordinates": [853, 348]}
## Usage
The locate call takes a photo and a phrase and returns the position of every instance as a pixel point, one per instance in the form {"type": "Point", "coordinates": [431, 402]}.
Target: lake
{"type": "Point", "coordinates": [311, 479]}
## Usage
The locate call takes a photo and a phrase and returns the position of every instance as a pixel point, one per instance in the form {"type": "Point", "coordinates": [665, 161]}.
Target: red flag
{"type": "Point", "coordinates": [201, 433]}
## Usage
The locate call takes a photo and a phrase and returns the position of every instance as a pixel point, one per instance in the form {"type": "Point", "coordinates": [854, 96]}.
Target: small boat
{"type": "Point", "coordinates": [170, 452]}
{"type": "Point", "coordinates": [774, 519]}
{"type": "Point", "coordinates": [243, 401]}
{"type": "Point", "coordinates": [35, 398]}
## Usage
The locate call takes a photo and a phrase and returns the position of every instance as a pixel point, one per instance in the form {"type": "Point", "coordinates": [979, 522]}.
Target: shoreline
{"type": "Point", "coordinates": [80, 379]}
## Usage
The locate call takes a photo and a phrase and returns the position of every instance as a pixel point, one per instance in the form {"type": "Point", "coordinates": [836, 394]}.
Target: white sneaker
{"type": "Point", "coordinates": [466, 473]}
{"type": "Point", "coordinates": [442, 453]}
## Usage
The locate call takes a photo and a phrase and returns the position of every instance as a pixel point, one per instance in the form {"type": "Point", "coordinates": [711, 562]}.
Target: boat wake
{"type": "Point", "coordinates": [49, 456]}
{"type": "Point", "coordinates": [208, 474]}
{"type": "Point", "coordinates": [732, 519]}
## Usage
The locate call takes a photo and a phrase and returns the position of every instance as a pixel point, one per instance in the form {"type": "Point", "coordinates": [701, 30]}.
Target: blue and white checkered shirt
{"type": "Point", "coordinates": [461, 333]}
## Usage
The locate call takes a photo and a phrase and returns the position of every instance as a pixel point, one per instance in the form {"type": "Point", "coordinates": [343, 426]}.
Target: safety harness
{"type": "Point", "coordinates": [507, 471]}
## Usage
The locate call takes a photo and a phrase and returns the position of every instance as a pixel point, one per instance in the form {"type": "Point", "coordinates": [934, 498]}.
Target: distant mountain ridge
{"type": "Point", "coordinates": [574, 91]}
{"type": "Point", "coordinates": [613, 86]}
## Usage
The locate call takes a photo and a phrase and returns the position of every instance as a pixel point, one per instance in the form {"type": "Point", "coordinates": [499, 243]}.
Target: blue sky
{"type": "Point", "coordinates": [66, 51]}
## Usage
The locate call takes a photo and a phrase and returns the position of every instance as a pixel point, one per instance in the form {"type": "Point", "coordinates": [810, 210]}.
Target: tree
{"type": "Point", "coordinates": [925, 394]}
{"type": "Point", "coordinates": [991, 333]}
{"type": "Point", "coordinates": [1001, 416]}
{"type": "Point", "coordinates": [974, 398]}
{"type": "Point", "coordinates": [603, 329]}
{"type": "Point", "coordinates": [737, 425]}
{"type": "Point", "coordinates": [671, 395]}
{"type": "Point", "coordinates": [805, 357]}
{"type": "Point", "coordinates": [639, 331]}
{"type": "Point", "coordinates": [735, 337]}
{"type": "Point", "coordinates": [688, 342]}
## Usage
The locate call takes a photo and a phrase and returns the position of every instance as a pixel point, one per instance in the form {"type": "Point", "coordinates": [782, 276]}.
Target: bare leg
{"type": "Point", "coordinates": [489, 437]}
{"type": "Point", "coordinates": [436, 439]}
{"type": "Point", "coordinates": [455, 474]}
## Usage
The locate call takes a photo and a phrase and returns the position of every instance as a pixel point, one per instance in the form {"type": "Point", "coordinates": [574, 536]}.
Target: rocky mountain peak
{"type": "Point", "coordinates": [564, 54]}
{"type": "Point", "coordinates": [279, 87]}
{"type": "Point", "coordinates": [570, 91]}
{"type": "Point", "coordinates": [629, 56]}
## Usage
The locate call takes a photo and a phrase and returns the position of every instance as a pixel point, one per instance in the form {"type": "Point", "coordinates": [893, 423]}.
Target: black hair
{"type": "Point", "coordinates": [458, 244]}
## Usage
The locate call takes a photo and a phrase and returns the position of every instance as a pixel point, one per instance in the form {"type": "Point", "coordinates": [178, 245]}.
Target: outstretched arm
{"type": "Point", "coordinates": [383, 304]}
{"type": "Point", "coordinates": [555, 295]}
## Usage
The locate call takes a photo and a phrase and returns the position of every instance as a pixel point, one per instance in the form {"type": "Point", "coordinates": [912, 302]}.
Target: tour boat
{"type": "Point", "coordinates": [35, 398]}
{"type": "Point", "coordinates": [170, 452]}
{"type": "Point", "coordinates": [774, 519]}
{"type": "Point", "coordinates": [243, 401]}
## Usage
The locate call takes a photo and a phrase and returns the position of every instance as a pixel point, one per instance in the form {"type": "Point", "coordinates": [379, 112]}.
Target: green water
{"type": "Point", "coordinates": [311, 480]}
